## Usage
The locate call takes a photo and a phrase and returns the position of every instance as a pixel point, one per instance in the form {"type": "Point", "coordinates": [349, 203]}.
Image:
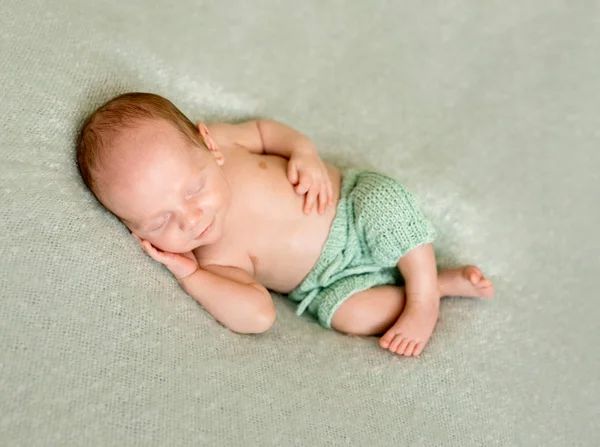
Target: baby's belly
{"type": "Point", "coordinates": [281, 266]}
{"type": "Point", "coordinates": [288, 242]}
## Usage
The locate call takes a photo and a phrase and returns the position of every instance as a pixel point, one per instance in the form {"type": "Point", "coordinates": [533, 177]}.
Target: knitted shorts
{"type": "Point", "coordinates": [377, 222]}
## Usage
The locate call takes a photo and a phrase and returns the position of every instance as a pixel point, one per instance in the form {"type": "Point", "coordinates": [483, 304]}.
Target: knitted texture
{"type": "Point", "coordinates": [377, 222]}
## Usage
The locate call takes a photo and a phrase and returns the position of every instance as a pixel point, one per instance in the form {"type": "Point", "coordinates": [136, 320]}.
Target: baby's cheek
{"type": "Point", "coordinates": [170, 242]}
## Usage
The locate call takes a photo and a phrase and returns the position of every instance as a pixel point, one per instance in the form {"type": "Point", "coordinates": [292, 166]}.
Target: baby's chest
{"type": "Point", "coordinates": [261, 190]}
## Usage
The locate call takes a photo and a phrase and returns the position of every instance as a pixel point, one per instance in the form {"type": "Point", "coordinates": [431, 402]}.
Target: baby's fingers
{"type": "Point", "coordinates": [311, 198]}
{"type": "Point", "coordinates": [323, 199]}
{"type": "Point", "coordinates": [292, 173]}
{"type": "Point", "coordinates": [329, 192]}
{"type": "Point", "coordinates": [304, 185]}
{"type": "Point", "coordinates": [141, 242]}
{"type": "Point", "coordinates": [151, 250]}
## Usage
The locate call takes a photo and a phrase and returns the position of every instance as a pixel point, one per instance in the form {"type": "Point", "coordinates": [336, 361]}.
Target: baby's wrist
{"type": "Point", "coordinates": [187, 275]}
{"type": "Point", "coordinates": [305, 150]}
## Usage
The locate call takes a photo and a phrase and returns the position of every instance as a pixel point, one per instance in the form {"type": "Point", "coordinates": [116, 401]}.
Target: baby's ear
{"type": "Point", "coordinates": [211, 144]}
{"type": "Point", "coordinates": [219, 157]}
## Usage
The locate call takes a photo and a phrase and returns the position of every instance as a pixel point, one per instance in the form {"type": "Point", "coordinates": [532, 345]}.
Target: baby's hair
{"type": "Point", "coordinates": [121, 113]}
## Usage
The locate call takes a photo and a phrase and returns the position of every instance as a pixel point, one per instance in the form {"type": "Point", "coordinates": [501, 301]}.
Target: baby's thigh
{"type": "Point", "coordinates": [389, 218]}
{"type": "Point", "coordinates": [370, 312]}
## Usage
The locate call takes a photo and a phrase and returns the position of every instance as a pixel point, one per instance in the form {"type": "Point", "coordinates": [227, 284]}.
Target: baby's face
{"type": "Point", "coordinates": [173, 196]}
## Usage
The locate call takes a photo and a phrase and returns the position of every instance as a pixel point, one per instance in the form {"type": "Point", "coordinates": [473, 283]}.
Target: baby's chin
{"type": "Point", "coordinates": [181, 249]}
{"type": "Point", "coordinates": [193, 245]}
{"type": "Point", "coordinates": [212, 237]}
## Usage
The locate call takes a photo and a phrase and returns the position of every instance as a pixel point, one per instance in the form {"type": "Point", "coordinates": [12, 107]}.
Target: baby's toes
{"type": "Point", "coordinates": [487, 290]}
{"type": "Point", "coordinates": [386, 339]}
{"type": "Point", "coordinates": [398, 339]}
{"type": "Point", "coordinates": [418, 349]}
{"type": "Point", "coordinates": [484, 283]}
{"type": "Point", "coordinates": [473, 274]}
{"type": "Point", "coordinates": [402, 346]}
{"type": "Point", "coordinates": [410, 348]}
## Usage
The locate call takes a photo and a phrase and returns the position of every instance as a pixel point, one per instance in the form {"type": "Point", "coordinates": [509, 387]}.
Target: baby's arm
{"type": "Point", "coordinates": [306, 170]}
{"type": "Point", "coordinates": [263, 137]}
{"type": "Point", "coordinates": [233, 297]}
{"type": "Point", "coordinates": [229, 294]}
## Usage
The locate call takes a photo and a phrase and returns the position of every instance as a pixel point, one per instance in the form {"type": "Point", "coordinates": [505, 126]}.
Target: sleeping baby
{"type": "Point", "coordinates": [236, 210]}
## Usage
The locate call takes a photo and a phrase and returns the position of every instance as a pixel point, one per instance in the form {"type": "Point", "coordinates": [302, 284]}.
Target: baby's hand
{"type": "Point", "coordinates": [180, 265]}
{"type": "Point", "coordinates": [308, 174]}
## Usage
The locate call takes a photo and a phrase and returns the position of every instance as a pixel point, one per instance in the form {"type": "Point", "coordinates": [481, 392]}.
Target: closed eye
{"type": "Point", "coordinates": [161, 224]}
{"type": "Point", "coordinates": [196, 190]}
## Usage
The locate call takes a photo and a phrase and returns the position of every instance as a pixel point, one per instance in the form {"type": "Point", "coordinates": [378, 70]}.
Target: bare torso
{"type": "Point", "coordinates": [266, 230]}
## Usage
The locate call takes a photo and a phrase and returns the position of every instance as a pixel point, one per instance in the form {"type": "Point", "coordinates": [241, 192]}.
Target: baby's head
{"type": "Point", "coordinates": [152, 168]}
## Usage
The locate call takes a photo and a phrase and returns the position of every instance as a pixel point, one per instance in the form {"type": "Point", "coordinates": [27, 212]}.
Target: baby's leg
{"type": "Point", "coordinates": [370, 312]}
{"type": "Point", "coordinates": [409, 335]}
{"type": "Point", "coordinates": [374, 311]}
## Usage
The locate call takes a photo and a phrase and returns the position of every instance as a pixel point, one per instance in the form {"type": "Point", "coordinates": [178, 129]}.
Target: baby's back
{"type": "Point", "coordinates": [266, 220]}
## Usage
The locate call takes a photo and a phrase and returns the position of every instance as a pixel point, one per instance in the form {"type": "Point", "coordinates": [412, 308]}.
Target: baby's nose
{"type": "Point", "coordinates": [192, 218]}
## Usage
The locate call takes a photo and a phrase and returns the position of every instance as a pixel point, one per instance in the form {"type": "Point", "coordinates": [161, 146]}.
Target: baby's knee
{"type": "Point", "coordinates": [345, 319]}
{"type": "Point", "coordinates": [350, 318]}
{"type": "Point", "coordinates": [370, 312]}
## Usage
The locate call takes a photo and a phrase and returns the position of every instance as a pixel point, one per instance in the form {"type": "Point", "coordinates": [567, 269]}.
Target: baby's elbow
{"type": "Point", "coordinates": [258, 323]}
{"type": "Point", "coordinates": [264, 312]}
{"type": "Point", "coordinates": [264, 320]}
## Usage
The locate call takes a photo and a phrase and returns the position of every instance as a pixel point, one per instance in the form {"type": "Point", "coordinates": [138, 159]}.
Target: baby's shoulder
{"type": "Point", "coordinates": [245, 135]}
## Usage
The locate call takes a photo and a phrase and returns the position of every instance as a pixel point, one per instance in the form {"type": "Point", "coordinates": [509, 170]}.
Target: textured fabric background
{"type": "Point", "coordinates": [490, 111]}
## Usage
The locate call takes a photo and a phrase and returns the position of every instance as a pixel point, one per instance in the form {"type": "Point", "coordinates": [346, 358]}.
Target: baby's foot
{"type": "Point", "coordinates": [465, 281]}
{"type": "Point", "coordinates": [409, 335]}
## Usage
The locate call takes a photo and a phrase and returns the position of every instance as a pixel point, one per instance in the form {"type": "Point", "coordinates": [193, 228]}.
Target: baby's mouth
{"type": "Point", "coordinates": [205, 231]}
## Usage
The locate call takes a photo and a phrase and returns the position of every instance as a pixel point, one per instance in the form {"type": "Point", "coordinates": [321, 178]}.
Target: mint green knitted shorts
{"type": "Point", "coordinates": [377, 222]}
